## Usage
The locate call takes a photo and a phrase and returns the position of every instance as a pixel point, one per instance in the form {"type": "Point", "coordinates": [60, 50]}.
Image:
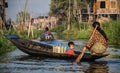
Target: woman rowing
{"type": "Point", "coordinates": [98, 42]}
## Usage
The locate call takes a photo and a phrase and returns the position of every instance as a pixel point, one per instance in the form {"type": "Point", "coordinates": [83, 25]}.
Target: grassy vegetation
{"type": "Point", "coordinates": [112, 30]}
{"type": "Point", "coordinates": [78, 31]}
{"type": "Point", "coordinates": [6, 45]}
{"type": "Point", "coordinates": [82, 31]}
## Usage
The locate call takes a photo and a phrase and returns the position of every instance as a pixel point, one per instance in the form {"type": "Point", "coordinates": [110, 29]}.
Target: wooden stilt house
{"type": "Point", "coordinates": [109, 9]}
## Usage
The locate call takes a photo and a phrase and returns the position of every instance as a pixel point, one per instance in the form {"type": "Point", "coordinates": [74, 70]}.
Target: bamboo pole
{"type": "Point", "coordinates": [29, 25]}
{"type": "Point", "coordinates": [30, 29]}
{"type": "Point", "coordinates": [23, 16]}
{"type": "Point", "coordinates": [69, 16]}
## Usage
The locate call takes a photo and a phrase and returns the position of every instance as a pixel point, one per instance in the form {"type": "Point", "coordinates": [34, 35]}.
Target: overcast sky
{"type": "Point", "coordinates": [34, 7]}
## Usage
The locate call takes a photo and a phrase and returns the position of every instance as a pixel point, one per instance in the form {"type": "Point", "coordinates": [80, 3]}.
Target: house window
{"type": "Point", "coordinates": [113, 4]}
{"type": "Point", "coordinates": [102, 4]}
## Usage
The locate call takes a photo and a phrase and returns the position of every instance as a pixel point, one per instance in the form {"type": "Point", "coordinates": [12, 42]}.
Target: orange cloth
{"type": "Point", "coordinates": [71, 52]}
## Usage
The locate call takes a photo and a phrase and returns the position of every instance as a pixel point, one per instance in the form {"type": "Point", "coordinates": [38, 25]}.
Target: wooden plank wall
{"type": "Point", "coordinates": [108, 9]}
{"type": "Point", "coordinates": [118, 5]}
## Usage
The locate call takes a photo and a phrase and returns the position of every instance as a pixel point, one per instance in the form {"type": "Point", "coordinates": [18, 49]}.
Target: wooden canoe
{"type": "Point", "coordinates": [39, 49]}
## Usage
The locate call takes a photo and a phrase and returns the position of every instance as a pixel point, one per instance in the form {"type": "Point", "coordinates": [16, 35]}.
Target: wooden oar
{"type": "Point", "coordinates": [84, 48]}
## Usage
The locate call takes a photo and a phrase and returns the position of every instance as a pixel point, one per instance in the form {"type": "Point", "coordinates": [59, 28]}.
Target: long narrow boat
{"type": "Point", "coordinates": [39, 49]}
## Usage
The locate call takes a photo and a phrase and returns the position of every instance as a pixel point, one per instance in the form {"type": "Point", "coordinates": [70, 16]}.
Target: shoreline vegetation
{"type": "Point", "coordinates": [7, 46]}
{"type": "Point", "coordinates": [83, 31]}
{"type": "Point", "coordinates": [78, 31]}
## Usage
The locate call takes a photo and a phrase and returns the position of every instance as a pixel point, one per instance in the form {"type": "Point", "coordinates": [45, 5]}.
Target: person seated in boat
{"type": "Point", "coordinates": [47, 33]}
{"type": "Point", "coordinates": [71, 49]}
{"type": "Point", "coordinates": [98, 42]}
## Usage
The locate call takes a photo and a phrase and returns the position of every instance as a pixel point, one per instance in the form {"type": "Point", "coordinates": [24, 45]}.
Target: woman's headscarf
{"type": "Point", "coordinates": [99, 29]}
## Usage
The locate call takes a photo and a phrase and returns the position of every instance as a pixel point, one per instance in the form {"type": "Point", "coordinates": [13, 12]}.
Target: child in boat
{"type": "Point", "coordinates": [47, 33]}
{"type": "Point", "coordinates": [71, 49]}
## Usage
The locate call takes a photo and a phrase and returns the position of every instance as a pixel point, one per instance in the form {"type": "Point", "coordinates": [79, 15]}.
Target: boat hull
{"type": "Point", "coordinates": [43, 50]}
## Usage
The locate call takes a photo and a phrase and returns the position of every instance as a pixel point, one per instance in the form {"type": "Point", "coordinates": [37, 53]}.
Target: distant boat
{"type": "Point", "coordinates": [42, 38]}
{"type": "Point", "coordinates": [39, 49]}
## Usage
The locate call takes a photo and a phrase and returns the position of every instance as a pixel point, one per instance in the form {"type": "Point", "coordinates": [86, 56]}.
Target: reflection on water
{"type": "Point", "coordinates": [98, 67]}
{"type": "Point", "coordinates": [19, 62]}
{"type": "Point", "coordinates": [31, 64]}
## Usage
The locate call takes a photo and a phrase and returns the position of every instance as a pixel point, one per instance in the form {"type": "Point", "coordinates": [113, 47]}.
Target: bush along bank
{"type": "Point", "coordinates": [83, 30]}
{"type": "Point", "coordinates": [6, 45]}
{"type": "Point", "coordinates": [112, 30]}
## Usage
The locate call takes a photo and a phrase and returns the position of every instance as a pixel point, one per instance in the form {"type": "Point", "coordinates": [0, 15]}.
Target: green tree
{"type": "Point", "coordinates": [61, 9]}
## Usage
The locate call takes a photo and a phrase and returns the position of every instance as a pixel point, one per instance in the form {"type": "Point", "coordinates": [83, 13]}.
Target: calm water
{"type": "Point", "coordinates": [19, 62]}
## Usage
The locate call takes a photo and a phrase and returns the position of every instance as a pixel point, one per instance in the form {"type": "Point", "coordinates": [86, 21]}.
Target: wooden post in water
{"type": "Point", "coordinates": [30, 28]}
{"type": "Point", "coordinates": [69, 15]}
